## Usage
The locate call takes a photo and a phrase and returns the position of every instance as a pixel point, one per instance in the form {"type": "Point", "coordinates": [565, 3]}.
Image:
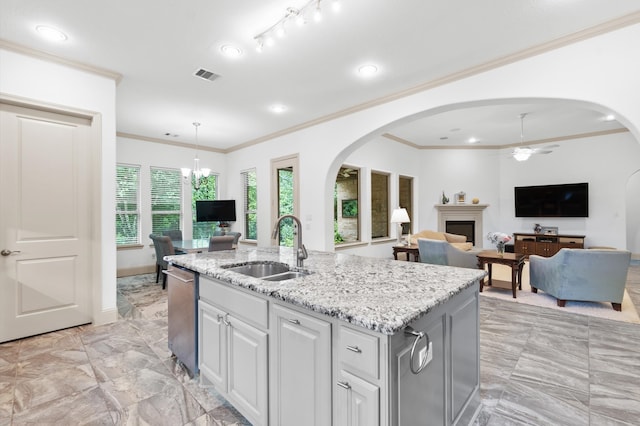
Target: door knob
{"type": "Point", "coordinates": [6, 252]}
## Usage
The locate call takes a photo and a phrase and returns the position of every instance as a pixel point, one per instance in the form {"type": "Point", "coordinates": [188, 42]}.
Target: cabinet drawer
{"type": "Point", "coordinates": [358, 351]}
{"type": "Point", "coordinates": [236, 302]}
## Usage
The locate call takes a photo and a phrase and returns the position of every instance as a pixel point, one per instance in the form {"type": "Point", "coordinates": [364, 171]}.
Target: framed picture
{"type": "Point", "coordinates": [460, 197]}
{"type": "Point", "coordinates": [349, 208]}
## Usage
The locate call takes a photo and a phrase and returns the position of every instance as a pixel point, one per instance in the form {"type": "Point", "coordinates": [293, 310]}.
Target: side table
{"type": "Point", "coordinates": [411, 250]}
{"type": "Point", "coordinates": [514, 260]}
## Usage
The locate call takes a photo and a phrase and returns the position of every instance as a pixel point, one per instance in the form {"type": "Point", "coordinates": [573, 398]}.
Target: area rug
{"type": "Point", "coordinates": [596, 309]}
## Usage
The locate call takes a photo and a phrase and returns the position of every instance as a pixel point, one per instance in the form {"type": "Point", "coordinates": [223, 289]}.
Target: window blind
{"type": "Point", "coordinates": [166, 199]}
{"type": "Point", "coordinates": [127, 204]}
{"type": "Point", "coordinates": [250, 198]}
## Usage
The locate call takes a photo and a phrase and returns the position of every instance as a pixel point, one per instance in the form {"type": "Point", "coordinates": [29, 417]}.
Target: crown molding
{"type": "Point", "coordinates": [199, 147]}
{"type": "Point", "coordinates": [4, 44]}
{"type": "Point", "coordinates": [606, 27]}
{"type": "Point", "coordinates": [511, 145]}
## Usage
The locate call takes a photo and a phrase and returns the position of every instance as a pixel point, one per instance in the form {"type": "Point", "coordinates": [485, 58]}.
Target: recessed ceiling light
{"type": "Point", "coordinates": [610, 117]}
{"type": "Point", "coordinates": [278, 108]}
{"type": "Point", "coordinates": [367, 70]}
{"type": "Point", "coordinates": [51, 33]}
{"type": "Point", "coordinates": [231, 51]}
{"type": "Point", "coordinates": [473, 140]}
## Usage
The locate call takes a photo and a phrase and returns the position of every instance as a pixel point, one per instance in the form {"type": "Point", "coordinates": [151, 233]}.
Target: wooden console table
{"type": "Point", "coordinates": [545, 244]}
{"type": "Point", "coordinates": [411, 250]}
{"type": "Point", "coordinates": [514, 260]}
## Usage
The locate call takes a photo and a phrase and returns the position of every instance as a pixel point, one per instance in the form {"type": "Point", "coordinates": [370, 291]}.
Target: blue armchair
{"type": "Point", "coordinates": [585, 275]}
{"type": "Point", "coordinates": [439, 252]}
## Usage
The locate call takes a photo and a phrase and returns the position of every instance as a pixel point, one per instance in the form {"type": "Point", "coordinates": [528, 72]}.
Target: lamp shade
{"type": "Point", "coordinates": [400, 215]}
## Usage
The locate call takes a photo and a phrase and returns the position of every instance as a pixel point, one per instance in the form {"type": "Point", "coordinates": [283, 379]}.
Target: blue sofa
{"type": "Point", "coordinates": [439, 252]}
{"type": "Point", "coordinates": [585, 275]}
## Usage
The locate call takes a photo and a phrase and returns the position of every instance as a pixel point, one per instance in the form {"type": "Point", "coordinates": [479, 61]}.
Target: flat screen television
{"type": "Point", "coordinates": [215, 210]}
{"type": "Point", "coordinates": [565, 200]}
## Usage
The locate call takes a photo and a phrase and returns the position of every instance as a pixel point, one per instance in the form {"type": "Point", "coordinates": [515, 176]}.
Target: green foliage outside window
{"type": "Point", "coordinates": [285, 206]}
{"type": "Point", "coordinates": [208, 190]}
{"type": "Point", "coordinates": [250, 205]}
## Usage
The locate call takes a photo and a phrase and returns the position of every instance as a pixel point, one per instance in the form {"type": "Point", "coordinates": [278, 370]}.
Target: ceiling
{"type": "Point", "coordinates": [157, 45]}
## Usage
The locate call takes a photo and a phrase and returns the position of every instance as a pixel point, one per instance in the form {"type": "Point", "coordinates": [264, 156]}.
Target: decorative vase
{"type": "Point", "coordinates": [500, 248]}
{"type": "Point", "coordinates": [445, 199]}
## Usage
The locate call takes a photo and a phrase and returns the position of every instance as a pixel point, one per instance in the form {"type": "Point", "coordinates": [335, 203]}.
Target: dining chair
{"type": "Point", "coordinates": [236, 236]}
{"type": "Point", "coordinates": [174, 234]}
{"type": "Point", "coordinates": [223, 242]}
{"type": "Point", "coordinates": [163, 247]}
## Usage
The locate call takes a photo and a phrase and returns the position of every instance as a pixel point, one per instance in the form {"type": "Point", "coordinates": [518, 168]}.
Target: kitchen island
{"type": "Point", "coordinates": [355, 341]}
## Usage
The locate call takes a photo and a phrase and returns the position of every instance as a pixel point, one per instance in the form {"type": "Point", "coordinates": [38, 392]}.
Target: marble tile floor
{"type": "Point", "coordinates": [538, 367]}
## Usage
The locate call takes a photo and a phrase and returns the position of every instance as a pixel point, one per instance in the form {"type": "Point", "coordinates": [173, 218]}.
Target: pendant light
{"type": "Point", "coordinates": [198, 173]}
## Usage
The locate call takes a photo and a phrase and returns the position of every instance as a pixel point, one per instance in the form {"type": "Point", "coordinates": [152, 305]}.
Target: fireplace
{"type": "Point", "coordinates": [468, 216]}
{"type": "Point", "coordinates": [462, 227]}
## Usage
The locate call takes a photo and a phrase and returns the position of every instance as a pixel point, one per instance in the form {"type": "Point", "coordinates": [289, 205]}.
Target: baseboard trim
{"type": "Point", "coordinates": [106, 316]}
{"type": "Point", "coordinates": [136, 270]}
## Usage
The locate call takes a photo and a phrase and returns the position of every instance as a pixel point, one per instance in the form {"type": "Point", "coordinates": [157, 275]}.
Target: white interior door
{"type": "Point", "coordinates": [45, 221]}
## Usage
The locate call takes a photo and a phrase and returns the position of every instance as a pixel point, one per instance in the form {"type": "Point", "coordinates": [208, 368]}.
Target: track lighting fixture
{"type": "Point", "coordinates": [299, 16]}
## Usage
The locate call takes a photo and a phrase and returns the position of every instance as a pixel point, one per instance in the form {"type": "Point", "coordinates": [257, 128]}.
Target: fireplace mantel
{"type": "Point", "coordinates": [453, 212]}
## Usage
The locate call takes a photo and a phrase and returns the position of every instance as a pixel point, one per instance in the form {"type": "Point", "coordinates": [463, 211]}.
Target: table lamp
{"type": "Point", "coordinates": [400, 216]}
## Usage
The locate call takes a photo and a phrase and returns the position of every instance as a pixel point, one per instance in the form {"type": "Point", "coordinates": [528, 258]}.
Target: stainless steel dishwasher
{"type": "Point", "coordinates": [182, 291]}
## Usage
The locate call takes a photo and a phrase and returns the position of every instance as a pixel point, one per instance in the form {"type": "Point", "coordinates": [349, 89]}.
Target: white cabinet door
{"type": "Point", "coordinates": [358, 401]}
{"type": "Point", "coordinates": [212, 345]}
{"type": "Point", "coordinates": [301, 380]}
{"type": "Point", "coordinates": [248, 370]}
{"type": "Point", "coordinates": [233, 357]}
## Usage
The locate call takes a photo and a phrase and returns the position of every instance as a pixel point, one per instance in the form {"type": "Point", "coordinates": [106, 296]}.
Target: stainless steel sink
{"type": "Point", "coordinates": [286, 276]}
{"type": "Point", "coordinates": [260, 269]}
{"type": "Point", "coordinates": [267, 271]}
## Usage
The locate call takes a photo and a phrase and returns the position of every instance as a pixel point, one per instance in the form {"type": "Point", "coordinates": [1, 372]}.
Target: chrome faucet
{"type": "Point", "coordinates": [299, 250]}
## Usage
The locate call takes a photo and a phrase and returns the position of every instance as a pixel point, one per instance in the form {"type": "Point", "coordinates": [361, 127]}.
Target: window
{"type": "Point", "coordinates": [285, 191]}
{"type": "Point", "coordinates": [166, 199]}
{"type": "Point", "coordinates": [379, 205]}
{"type": "Point", "coordinates": [346, 202]}
{"type": "Point", "coordinates": [250, 204]}
{"type": "Point", "coordinates": [208, 190]}
{"type": "Point", "coordinates": [127, 205]}
{"type": "Point", "coordinates": [406, 200]}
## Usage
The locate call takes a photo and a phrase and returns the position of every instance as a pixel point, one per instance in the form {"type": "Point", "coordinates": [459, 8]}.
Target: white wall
{"type": "Point", "coordinates": [633, 213]}
{"type": "Point", "coordinates": [41, 81]}
{"type": "Point", "coordinates": [606, 162]}
{"type": "Point", "coordinates": [601, 72]}
{"type": "Point", "coordinates": [149, 154]}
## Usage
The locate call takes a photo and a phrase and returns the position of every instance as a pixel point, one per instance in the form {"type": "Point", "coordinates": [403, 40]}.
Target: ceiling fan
{"type": "Point", "coordinates": [346, 172]}
{"type": "Point", "coordinates": [522, 152]}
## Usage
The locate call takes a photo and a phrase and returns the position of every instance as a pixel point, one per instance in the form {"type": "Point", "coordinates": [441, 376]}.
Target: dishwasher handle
{"type": "Point", "coordinates": [177, 277]}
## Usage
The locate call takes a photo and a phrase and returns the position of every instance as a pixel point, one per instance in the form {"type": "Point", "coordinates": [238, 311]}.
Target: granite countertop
{"type": "Point", "coordinates": [379, 294]}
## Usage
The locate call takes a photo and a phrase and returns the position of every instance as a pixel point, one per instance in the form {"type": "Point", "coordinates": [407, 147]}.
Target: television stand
{"type": "Point", "coordinates": [545, 244]}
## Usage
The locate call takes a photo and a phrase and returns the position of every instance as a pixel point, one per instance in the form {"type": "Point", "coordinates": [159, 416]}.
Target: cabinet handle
{"type": "Point", "coordinates": [345, 385]}
{"type": "Point", "coordinates": [294, 321]}
{"type": "Point", "coordinates": [354, 349]}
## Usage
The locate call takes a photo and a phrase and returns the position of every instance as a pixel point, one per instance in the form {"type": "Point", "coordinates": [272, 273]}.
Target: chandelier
{"type": "Point", "coordinates": [198, 173]}
{"type": "Point", "coordinates": [292, 14]}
